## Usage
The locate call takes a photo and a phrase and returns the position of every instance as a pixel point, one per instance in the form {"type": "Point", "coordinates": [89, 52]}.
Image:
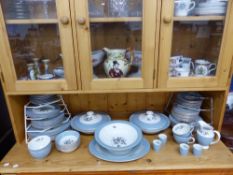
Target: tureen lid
{"type": "Point", "coordinates": [150, 121]}
{"type": "Point", "coordinates": [87, 122]}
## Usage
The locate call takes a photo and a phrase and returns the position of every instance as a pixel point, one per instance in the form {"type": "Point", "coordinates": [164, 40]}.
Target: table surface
{"type": "Point", "coordinates": [217, 157]}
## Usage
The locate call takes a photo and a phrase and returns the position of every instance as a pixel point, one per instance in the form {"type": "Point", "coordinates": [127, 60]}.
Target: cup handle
{"type": "Point", "coordinates": [213, 69]}
{"type": "Point", "coordinates": [191, 140]}
{"type": "Point", "coordinates": [218, 138]}
{"type": "Point", "coordinates": [193, 4]}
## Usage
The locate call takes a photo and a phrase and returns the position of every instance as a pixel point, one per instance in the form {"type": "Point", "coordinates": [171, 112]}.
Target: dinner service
{"type": "Point", "coordinates": [184, 139]}
{"type": "Point", "coordinates": [184, 7]}
{"type": "Point", "coordinates": [97, 57]}
{"type": "Point", "coordinates": [88, 122]}
{"type": "Point", "coordinates": [118, 137]}
{"type": "Point", "coordinates": [163, 138]}
{"type": "Point", "coordinates": [182, 129]}
{"type": "Point", "coordinates": [157, 144]}
{"type": "Point", "coordinates": [67, 141]}
{"type": "Point", "coordinates": [40, 146]}
{"type": "Point", "coordinates": [43, 112]}
{"type": "Point", "coordinates": [135, 153]}
{"type": "Point", "coordinates": [150, 122]}
{"type": "Point", "coordinates": [48, 123]}
{"type": "Point", "coordinates": [184, 149]}
{"type": "Point", "coordinates": [203, 67]}
{"type": "Point", "coordinates": [52, 132]}
{"type": "Point", "coordinates": [197, 150]}
{"type": "Point", "coordinates": [207, 137]}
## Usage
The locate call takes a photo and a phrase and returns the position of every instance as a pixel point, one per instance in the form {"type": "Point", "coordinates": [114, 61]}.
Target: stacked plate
{"type": "Point", "coordinates": [89, 121]}
{"type": "Point", "coordinates": [150, 122]}
{"type": "Point", "coordinates": [186, 108]}
{"type": "Point", "coordinates": [43, 99]}
{"type": "Point", "coordinates": [119, 141]}
{"type": "Point", "coordinates": [211, 7]}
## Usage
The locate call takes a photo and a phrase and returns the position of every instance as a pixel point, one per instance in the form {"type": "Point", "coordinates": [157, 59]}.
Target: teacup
{"type": "Point", "coordinates": [183, 7]}
{"type": "Point", "coordinates": [184, 139]}
{"type": "Point", "coordinates": [204, 67]}
{"type": "Point", "coordinates": [182, 129]}
{"type": "Point", "coordinates": [175, 61]}
{"type": "Point", "coordinates": [206, 137]}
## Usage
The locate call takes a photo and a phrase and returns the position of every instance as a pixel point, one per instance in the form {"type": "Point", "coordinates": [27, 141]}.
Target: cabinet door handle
{"type": "Point", "coordinates": [167, 19]}
{"type": "Point", "coordinates": [65, 20]}
{"type": "Point", "coordinates": [81, 21]}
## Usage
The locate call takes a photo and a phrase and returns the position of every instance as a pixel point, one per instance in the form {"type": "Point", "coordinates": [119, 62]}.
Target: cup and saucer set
{"type": "Point", "coordinates": [181, 66]}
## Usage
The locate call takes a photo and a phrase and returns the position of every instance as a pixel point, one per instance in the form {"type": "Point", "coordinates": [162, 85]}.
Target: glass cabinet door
{"type": "Point", "coordinates": [192, 53]}
{"type": "Point", "coordinates": [114, 49]}
{"type": "Point", "coordinates": [40, 44]}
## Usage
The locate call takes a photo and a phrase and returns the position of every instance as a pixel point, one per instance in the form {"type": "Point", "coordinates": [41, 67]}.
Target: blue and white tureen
{"type": "Point", "coordinates": [89, 121]}
{"type": "Point", "coordinates": [150, 122]}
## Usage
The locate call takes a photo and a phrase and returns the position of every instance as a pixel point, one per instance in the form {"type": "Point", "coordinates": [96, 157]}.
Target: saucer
{"type": "Point", "coordinates": [136, 153]}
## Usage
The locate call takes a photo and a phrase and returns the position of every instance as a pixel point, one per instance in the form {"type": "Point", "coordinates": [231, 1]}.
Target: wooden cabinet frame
{"type": "Point", "coordinates": [225, 56]}
{"type": "Point", "coordinates": [149, 47]}
{"type": "Point", "coordinates": [66, 39]}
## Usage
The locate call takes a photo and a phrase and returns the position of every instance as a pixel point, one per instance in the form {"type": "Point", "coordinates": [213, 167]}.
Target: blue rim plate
{"type": "Point", "coordinates": [90, 128]}
{"type": "Point", "coordinates": [152, 128]}
{"type": "Point", "coordinates": [113, 126]}
{"type": "Point", "coordinates": [136, 153]}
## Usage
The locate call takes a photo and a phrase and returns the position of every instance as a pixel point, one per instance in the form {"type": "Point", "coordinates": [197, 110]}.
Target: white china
{"type": "Point", "coordinates": [89, 121]}
{"type": "Point", "coordinates": [182, 72]}
{"type": "Point", "coordinates": [204, 67]}
{"type": "Point", "coordinates": [150, 122]}
{"type": "Point", "coordinates": [39, 147]}
{"type": "Point", "coordinates": [67, 141]}
{"type": "Point", "coordinates": [183, 7]}
{"type": "Point", "coordinates": [182, 129]}
{"type": "Point", "coordinates": [118, 136]}
{"type": "Point", "coordinates": [45, 77]}
{"type": "Point", "coordinates": [175, 60]}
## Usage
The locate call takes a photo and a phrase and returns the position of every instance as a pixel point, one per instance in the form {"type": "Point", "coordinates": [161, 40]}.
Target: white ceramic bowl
{"type": "Point", "coordinates": [118, 136]}
{"type": "Point", "coordinates": [59, 72]}
{"type": "Point", "coordinates": [40, 146]}
{"type": "Point", "coordinates": [182, 129]}
{"type": "Point", "coordinates": [67, 141]}
{"type": "Point", "coordinates": [97, 57]}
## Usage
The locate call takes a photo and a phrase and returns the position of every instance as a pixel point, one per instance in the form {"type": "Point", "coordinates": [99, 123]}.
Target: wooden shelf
{"type": "Point", "coordinates": [115, 19]}
{"type": "Point", "coordinates": [81, 161]}
{"type": "Point", "coordinates": [32, 21]}
{"type": "Point", "coordinates": [199, 18]}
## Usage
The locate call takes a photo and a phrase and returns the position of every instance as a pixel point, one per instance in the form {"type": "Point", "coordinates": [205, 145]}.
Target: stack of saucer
{"type": "Point", "coordinates": [186, 108]}
{"type": "Point", "coordinates": [119, 141]}
{"type": "Point", "coordinates": [211, 7]}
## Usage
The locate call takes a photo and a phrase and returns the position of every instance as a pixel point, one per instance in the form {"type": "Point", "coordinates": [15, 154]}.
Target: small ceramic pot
{"type": "Point", "coordinates": [184, 149]}
{"type": "Point", "coordinates": [157, 144]}
{"type": "Point", "coordinates": [40, 147]}
{"type": "Point", "coordinates": [197, 150]}
{"type": "Point", "coordinates": [163, 138]}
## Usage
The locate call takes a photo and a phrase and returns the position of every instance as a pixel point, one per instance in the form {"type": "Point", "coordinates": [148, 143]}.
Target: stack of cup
{"type": "Point", "coordinates": [182, 133]}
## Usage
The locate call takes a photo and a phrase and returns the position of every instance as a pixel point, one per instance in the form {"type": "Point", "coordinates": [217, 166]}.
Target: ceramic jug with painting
{"type": "Point", "coordinates": [116, 65]}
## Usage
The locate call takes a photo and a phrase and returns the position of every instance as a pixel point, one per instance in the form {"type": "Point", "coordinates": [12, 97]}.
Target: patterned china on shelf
{"type": "Point", "coordinates": [118, 137]}
{"type": "Point", "coordinates": [45, 77]}
{"type": "Point", "coordinates": [89, 121]}
{"type": "Point", "coordinates": [137, 152]}
{"type": "Point", "coordinates": [150, 122]}
{"type": "Point", "coordinates": [67, 141]}
{"type": "Point", "coordinates": [58, 72]}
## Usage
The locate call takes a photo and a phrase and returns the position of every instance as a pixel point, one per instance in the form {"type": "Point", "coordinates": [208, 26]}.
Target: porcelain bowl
{"type": "Point", "coordinates": [67, 141]}
{"type": "Point", "coordinates": [118, 136]}
{"type": "Point", "coordinates": [97, 57]}
{"type": "Point", "coordinates": [40, 146]}
{"type": "Point", "coordinates": [59, 72]}
{"type": "Point", "coordinates": [182, 129]}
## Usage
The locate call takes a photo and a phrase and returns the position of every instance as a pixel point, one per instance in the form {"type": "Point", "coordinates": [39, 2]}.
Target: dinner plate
{"type": "Point", "coordinates": [88, 122]}
{"type": "Point", "coordinates": [136, 153]}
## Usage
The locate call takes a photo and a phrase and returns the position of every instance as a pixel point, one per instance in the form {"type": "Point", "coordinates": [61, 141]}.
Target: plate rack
{"type": "Point", "coordinates": [27, 120]}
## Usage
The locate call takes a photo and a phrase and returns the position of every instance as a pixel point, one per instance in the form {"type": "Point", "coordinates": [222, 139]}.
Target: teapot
{"type": "Point", "coordinates": [116, 65]}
